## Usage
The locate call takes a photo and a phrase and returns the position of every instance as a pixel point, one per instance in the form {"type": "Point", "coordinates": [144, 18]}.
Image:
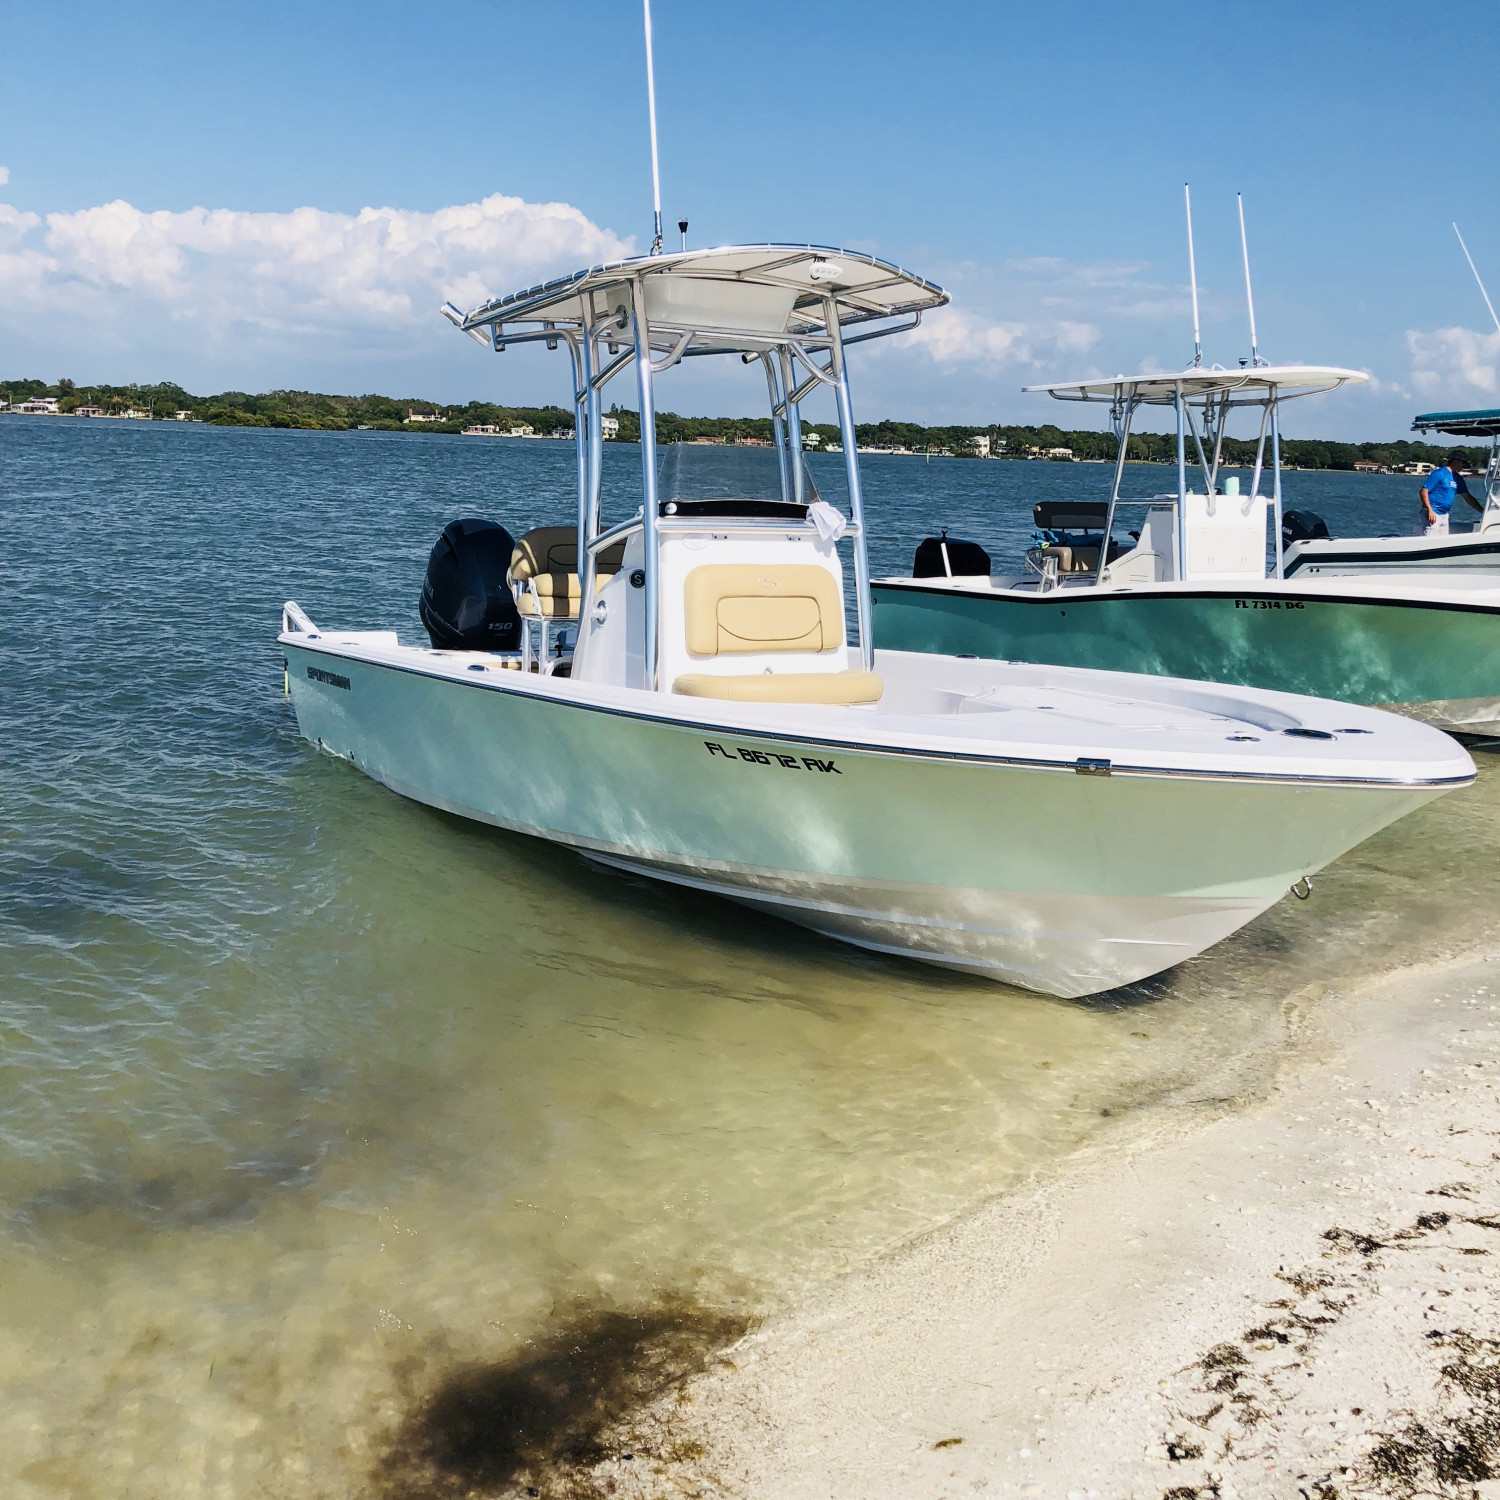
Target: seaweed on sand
{"type": "Point", "coordinates": [547, 1412]}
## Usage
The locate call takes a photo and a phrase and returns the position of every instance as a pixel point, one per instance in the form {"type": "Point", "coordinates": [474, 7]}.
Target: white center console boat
{"type": "Point", "coordinates": [1184, 583]}
{"type": "Point", "coordinates": [697, 711]}
{"type": "Point", "coordinates": [1473, 553]}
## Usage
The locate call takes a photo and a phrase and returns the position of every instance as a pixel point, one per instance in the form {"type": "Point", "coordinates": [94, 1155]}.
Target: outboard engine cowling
{"type": "Point", "coordinates": [945, 557]}
{"type": "Point", "coordinates": [1302, 526]}
{"type": "Point", "coordinates": [466, 600]}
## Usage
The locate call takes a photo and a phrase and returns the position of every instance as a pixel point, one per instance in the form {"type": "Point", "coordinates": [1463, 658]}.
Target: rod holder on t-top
{"type": "Point", "coordinates": [651, 106]}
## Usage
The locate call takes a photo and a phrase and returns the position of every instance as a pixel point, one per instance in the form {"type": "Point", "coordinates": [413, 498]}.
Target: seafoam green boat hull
{"type": "Point", "coordinates": [1040, 876]}
{"type": "Point", "coordinates": [1435, 661]}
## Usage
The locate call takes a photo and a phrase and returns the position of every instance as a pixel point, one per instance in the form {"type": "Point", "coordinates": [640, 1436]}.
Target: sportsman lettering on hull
{"type": "Point", "coordinates": [773, 758]}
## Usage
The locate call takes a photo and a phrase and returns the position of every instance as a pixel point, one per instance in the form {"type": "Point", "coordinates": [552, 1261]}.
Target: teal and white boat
{"type": "Point", "coordinates": [690, 708]}
{"type": "Point", "coordinates": [1187, 584]}
{"type": "Point", "coordinates": [1476, 550]}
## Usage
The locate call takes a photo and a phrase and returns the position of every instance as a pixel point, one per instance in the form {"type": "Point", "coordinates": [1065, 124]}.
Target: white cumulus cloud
{"type": "Point", "coordinates": [220, 287]}
{"type": "Point", "coordinates": [1456, 362]}
{"type": "Point", "coordinates": [955, 336]}
{"type": "Point", "coordinates": [1062, 305]}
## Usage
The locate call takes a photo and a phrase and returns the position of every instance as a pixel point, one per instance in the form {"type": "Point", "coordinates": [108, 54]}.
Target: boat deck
{"type": "Point", "coordinates": [972, 709]}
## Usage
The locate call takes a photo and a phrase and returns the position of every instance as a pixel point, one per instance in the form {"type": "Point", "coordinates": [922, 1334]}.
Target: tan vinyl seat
{"type": "Point", "coordinates": [544, 565]}
{"type": "Point", "coordinates": [784, 687]}
{"type": "Point", "coordinates": [743, 609]}
{"type": "Point", "coordinates": [737, 607]}
{"type": "Point", "coordinates": [1073, 559]}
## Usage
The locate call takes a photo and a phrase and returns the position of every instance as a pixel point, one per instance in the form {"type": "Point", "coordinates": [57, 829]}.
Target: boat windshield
{"type": "Point", "coordinates": [719, 471]}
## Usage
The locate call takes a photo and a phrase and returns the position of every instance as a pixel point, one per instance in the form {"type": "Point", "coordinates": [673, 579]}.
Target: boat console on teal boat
{"type": "Point", "coordinates": [1188, 583]}
{"type": "Point", "coordinates": [671, 690]}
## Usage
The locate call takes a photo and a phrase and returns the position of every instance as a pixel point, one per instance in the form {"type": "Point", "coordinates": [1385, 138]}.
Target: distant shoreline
{"type": "Point", "coordinates": [312, 411]}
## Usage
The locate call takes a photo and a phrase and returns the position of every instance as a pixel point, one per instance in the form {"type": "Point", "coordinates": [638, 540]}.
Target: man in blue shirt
{"type": "Point", "coordinates": [1440, 489]}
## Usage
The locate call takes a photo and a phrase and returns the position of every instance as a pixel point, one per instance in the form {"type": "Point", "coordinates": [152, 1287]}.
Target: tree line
{"type": "Point", "coordinates": [314, 411]}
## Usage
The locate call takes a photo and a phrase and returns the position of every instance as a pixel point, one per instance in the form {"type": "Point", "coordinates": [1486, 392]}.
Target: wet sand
{"type": "Point", "coordinates": [1292, 1293]}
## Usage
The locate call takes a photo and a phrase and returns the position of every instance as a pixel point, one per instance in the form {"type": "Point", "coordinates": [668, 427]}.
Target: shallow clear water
{"type": "Point", "coordinates": [308, 1093]}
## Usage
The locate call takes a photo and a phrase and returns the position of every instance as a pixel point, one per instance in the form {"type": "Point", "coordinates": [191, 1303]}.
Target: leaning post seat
{"type": "Point", "coordinates": [791, 609]}
{"type": "Point", "coordinates": [544, 570]}
{"type": "Point", "coordinates": [1072, 559]}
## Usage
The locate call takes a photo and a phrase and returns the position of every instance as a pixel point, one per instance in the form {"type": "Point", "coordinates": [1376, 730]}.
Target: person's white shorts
{"type": "Point", "coordinates": [1438, 527]}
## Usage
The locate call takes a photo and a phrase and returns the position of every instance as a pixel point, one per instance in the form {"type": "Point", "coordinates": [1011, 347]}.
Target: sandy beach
{"type": "Point", "coordinates": [1288, 1291]}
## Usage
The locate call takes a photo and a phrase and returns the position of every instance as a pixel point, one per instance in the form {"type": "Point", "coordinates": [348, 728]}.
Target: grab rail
{"type": "Point", "coordinates": [622, 528]}
{"type": "Point", "coordinates": [295, 621]}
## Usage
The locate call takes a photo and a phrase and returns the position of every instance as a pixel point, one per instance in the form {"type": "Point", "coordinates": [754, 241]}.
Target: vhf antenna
{"type": "Point", "coordinates": [1187, 199]}
{"type": "Point", "coordinates": [1249, 295]}
{"type": "Point", "coordinates": [651, 103]}
{"type": "Point", "coordinates": [1475, 270]}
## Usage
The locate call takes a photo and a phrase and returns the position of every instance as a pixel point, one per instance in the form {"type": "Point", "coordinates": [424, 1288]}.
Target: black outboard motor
{"type": "Point", "coordinates": [1302, 526]}
{"type": "Point", "coordinates": [941, 557]}
{"type": "Point", "coordinates": [466, 599]}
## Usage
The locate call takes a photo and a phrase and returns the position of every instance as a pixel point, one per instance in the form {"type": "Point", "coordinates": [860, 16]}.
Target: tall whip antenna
{"type": "Point", "coordinates": [1187, 198]}
{"type": "Point", "coordinates": [1249, 295]}
{"type": "Point", "coordinates": [651, 102]}
{"type": "Point", "coordinates": [1475, 270]}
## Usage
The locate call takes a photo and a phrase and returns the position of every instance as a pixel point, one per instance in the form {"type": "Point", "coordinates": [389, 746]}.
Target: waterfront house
{"type": "Point", "coordinates": [981, 445]}
{"type": "Point", "coordinates": [88, 411]}
{"type": "Point", "coordinates": [422, 416]}
{"type": "Point", "coordinates": [39, 406]}
{"type": "Point", "coordinates": [609, 426]}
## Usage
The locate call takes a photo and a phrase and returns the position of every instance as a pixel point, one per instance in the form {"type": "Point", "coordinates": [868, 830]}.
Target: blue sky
{"type": "Point", "coordinates": [1031, 158]}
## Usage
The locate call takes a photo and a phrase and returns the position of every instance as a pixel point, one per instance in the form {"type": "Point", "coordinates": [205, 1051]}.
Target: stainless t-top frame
{"type": "Point", "coordinates": [1210, 395]}
{"type": "Point", "coordinates": [786, 306]}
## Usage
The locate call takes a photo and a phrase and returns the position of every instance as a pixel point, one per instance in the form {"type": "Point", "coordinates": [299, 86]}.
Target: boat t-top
{"type": "Point", "coordinates": [1187, 583]}
{"type": "Point", "coordinates": [697, 709]}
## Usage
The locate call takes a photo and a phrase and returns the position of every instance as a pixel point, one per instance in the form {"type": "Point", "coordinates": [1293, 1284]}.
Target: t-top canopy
{"type": "Point", "coordinates": [1251, 385]}
{"type": "Point", "coordinates": [1459, 423]}
{"type": "Point", "coordinates": [728, 298]}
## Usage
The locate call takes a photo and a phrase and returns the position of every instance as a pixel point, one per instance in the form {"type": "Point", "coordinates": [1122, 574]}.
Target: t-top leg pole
{"type": "Point", "coordinates": [583, 371]}
{"type": "Point", "coordinates": [1181, 484]}
{"type": "Point", "coordinates": [1276, 479]}
{"type": "Point", "coordinates": [856, 499]}
{"type": "Point", "coordinates": [641, 331]}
